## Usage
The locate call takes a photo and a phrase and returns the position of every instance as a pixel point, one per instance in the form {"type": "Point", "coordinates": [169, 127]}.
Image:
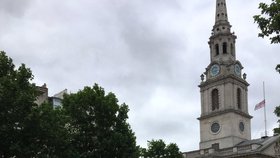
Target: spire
{"type": "Point", "coordinates": [221, 12]}
{"type": "Point", "coordinates": [222, 24]}
{"type": "Point", "coordinates": [222, 40]}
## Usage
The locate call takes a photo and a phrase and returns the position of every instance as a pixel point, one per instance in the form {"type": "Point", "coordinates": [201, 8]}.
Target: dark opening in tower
{"type": "Point", "coordinates": [224, 48]}
{"type": "Point", "coordinates": [239, 103]}
{"type": "Point", "coordinates": [215, 99]}
{"type": "Point", "coordinates": [217, 49]}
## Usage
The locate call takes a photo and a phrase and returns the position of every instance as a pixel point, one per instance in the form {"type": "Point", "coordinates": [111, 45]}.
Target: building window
{"type": "Point", "coordinates": [216, 146]}
{"type": "Point", "coordinates": [224, 48]}
{"type": "Point", "coordinates": [215, 99]}
{"type": "Point", "coordinates": [217, 49]}
{"type": "Point", "coordinates": [239, 103]}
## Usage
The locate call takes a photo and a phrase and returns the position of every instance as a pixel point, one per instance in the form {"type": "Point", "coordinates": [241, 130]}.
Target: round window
{"type": "Point", "coordinates": [215, 127]}
{"type": "Point", "coordinates": [241, 126]}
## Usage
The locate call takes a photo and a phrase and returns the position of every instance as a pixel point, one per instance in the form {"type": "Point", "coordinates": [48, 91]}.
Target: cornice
{"type": "Point", "coordinates": [221, 34]}
{"type": "Point", "coordinates": [223, 80]}
{"type": "Point", "coordinates": [218, 113]}
{"type": "Point", "coordinates": [224, 63]}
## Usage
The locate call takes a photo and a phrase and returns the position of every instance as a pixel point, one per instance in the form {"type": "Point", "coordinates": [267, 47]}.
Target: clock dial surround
{"type": "Point", "coordinates": [215, 70]}
{"type": "Point", "coordinates": [215, 128]}
{"type": "Point", "coordinates": [237, 69]}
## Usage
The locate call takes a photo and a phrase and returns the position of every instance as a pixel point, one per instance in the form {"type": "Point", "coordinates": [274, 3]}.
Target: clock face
{"type": "Point", "coordinates": [215, 70]}
{"type": "Point", "coordinates": [241, 126]}
{"type": "Point", "coordinates": [237, 69]}
{"type": "Point", "coordinates": [215, 128]}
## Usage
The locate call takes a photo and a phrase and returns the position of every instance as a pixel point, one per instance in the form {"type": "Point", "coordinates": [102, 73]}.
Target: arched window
{"type": "Point", "coordinates": [224, 48]}
{"type": "Point", "coordinates": [217, 49]}
{"type": "Point", "coordinates": [215, 99]}
{"type": "Point", "coordinates": [239, 103]}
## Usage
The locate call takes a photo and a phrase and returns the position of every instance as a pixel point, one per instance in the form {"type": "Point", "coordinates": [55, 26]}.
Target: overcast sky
{"type": "Point", "coordinates": [150, 53]}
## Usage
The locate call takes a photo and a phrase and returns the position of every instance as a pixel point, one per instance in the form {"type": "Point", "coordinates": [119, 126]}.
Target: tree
{"type": "Point", "coordinates": [17, 98]}
{"type": "Point", "coordinates": [26, 129]}
{"type": "Point", "coordinates": [158, 149]}
{"type": "Point", "coordinates": [277, 112]}
{"type": "Point", "coordinates": [89, 124]}
{"type": "Point", "coordinates": [46, 134]}
{"type": "Point", "coordinates": [269, 20]}
{"type": "Point", "coordinates": [98, 124]}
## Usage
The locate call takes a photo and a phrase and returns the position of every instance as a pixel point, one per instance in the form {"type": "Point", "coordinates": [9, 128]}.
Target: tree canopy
{"type": "Point", "coordinates": [98, 124]}
{"type": "Point", "coordinates": [17, 98]}
{"type": "Point", "coordinates": [158, 149]}
{"type": "Point", "coordinates": [90, 123]}
{"type": "Point", "coordinates": [278, 68]}
{"type": "Point", "coordinates": [269, 21]}
{"type": "Point", "coordinates": [277, 112]}
{"type": "Point", "coordinates": [48, 135]}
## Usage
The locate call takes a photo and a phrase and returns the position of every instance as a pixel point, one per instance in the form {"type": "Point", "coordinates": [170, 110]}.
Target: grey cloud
{"type": "Point", "coordinates": [14, 7]}
{"type": "Point", "coordinates": [149, 53]}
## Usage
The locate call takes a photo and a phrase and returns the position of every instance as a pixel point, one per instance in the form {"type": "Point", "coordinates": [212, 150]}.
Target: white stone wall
{"type": "Point", "coordinates": [227, 98]}
{"type": "Point", "coordinates": [229, 134]}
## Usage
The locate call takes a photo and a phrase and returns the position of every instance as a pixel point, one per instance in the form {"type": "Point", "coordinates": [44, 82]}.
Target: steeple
{"type": "Point", "coordinates": [222, 24]}
{"type": "Point", "coordinates": [221, 12]}
{"type": "Point", "coordinates": [224, 120]}
{"type": "Point", "coordinates": [222, 40]}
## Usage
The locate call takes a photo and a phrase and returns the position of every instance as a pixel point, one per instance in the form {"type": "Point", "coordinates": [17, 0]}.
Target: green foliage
{"type": "Point", "coordinates": [46, 135]}
{"type": "Point", "coordinates": [278, 68]}
{"type": "Point", "coordinates": [17, 98]}
{"type": "Point", "coordinates": [98, 124]}
{"type": "Point", "coordinates": [269, 20]}
{"type": "Point", "coordinates": [277, 112]}
{"type": "Point", "coordinates": [90, 123]}
{"type": "Point", "coordinates": [158, 149]}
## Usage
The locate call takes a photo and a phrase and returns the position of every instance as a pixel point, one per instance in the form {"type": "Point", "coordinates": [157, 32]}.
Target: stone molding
{"type": "Point", "coordinates": [218, 113]}
{"type": "Point", "coordinates": [210, 83]}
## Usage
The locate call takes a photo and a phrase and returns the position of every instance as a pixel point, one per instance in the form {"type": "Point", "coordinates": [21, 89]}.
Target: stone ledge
{"type": "Point", "coordinates": [224, 112]}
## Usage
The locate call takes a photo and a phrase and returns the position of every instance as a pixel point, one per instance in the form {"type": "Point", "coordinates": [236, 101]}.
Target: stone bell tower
{"type": "Point", "coordinates": [224, 119]}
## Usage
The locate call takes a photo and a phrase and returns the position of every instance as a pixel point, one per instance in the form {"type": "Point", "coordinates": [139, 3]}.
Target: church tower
{"type": "Point", "coordinates": [224, 120]}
